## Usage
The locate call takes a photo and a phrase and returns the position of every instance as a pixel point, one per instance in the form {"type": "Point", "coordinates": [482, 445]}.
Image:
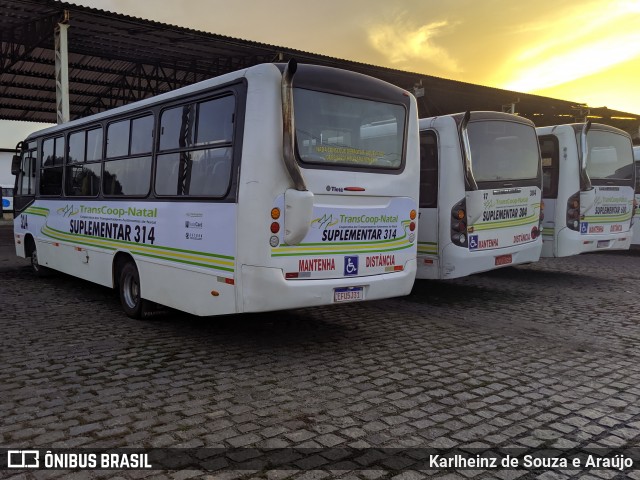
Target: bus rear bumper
{"type": "Point", "coordinates": [265, 288]}
{"type": "Point", "coordinates": [459, 262]}
{"type": "Point", "coordinates": [570, 242]}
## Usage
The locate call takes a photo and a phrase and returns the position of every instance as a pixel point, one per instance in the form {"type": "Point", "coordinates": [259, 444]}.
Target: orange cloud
{"type": "Point", "coordinates": [411, 47]}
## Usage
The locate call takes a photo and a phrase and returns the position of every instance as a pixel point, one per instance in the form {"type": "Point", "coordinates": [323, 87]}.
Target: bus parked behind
{"type": "Point", "coordinates": [480, 194]}
{"type": "Point", "coordinates": [588, 188]}
{"type": "Point", "coordinates": [263, 189]}
{"type": "Point", "coordinates": [7, 199]}
{"type": "Point", "coordinates": [635, 240]}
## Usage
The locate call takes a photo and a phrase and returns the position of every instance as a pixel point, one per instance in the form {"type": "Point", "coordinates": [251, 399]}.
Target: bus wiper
{"type": "Point", "coordinates": [585, 181]}
{"type": "Point", "coordinates": [298, 201]}
{"type": "Point", "coordinates": [288, 126]}
{"type": "Point", "coordinates": [466, 152]}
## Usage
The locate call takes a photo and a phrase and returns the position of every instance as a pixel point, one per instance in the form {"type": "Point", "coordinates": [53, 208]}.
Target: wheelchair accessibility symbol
{"type": "Point", "coordinates": [473, 242]}
{"type": "Point", "coordinates": [584, 227]}
{"type": "Point", "coordinates": [350, 266]}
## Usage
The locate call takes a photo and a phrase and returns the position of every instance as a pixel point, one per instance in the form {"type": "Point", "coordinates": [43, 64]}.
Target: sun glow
{"type": "Point", "coordinates": [589, 39]}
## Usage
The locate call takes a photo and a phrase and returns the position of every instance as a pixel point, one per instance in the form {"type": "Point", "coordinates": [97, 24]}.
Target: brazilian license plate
{"type": "Point", "coordinates": [503, 260]}
{"type": "Point", "coordinates": [348, 294]}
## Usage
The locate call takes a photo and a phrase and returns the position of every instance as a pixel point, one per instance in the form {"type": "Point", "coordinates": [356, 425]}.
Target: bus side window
{"type": "Point", "coordinates": [550, 153]}
{"type": "Point", "coordinates": [82, 178]}
{"type": "Point", "coordinates": [51, 171]}
{"type": "Point", "coordinates": [131, 138]}
{"type": "Point", "coordinates": [215, 121]}
{"type": "Point", "coordinates": [428, 169]}
{"type": "Point", "coordinates": [185, 167]}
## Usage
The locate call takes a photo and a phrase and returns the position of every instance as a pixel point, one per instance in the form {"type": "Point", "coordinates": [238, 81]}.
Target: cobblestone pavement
{"type": "Point", "coordinates": [544, 355]}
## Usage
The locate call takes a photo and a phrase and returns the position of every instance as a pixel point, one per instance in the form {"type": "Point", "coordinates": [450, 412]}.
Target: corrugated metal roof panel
{"type": "Point", "coordinates": [120, 58]}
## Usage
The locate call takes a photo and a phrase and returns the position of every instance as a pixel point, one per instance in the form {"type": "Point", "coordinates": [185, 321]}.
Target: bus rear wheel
{"type": "Point", "coordinates": [129, 288]}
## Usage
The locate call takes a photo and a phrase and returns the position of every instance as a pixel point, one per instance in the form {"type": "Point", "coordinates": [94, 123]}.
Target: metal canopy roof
{"type": "Point", "coordinates": [115, 59]}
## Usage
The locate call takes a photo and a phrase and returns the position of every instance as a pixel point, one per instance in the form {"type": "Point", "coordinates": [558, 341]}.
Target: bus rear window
{"type": "Point", "coordinates": [503, 151]}
{"type": "Point", "coordinates": [610, 156]}
{"type": "Point", "coordinates": [345, 131]}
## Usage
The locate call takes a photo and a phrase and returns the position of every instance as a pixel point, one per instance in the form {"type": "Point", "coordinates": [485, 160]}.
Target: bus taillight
{"type": "Point", "coordinates": [535, 232]}
{"type": "Point", "coordinates": [573, 212]}
{"type": "Point", "coordinates": [459, 223]}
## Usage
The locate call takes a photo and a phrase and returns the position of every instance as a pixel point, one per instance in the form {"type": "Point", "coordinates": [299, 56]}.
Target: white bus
{"type": "Point", "coordinates": [480, 194]}
{"type": "Point", "coordinates": [635, 240]}
{"type": "Point", "coordinates": [589, 197]}
{"type": "Point", "coordinates": [212, 200]}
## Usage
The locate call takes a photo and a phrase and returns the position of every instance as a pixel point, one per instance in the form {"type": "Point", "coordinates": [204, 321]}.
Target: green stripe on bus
{"type": "Point", "coordinates": [135, 248]}
{"type": "Point", "coordinates": [44, 232]}
{"type": "Point", "coordinates": [324, 244]}
{"type": "Point", "coordinates": [135, 252]}
{"type": "Point", "coordinates": [214, 267]}
{"type": "Point", "coordinates": [607, 218]}
{"type": "Point", "coordinates": [530, 220]}
{"type": "Point", "coordinates": [340, 252]}
{"type": "Point", "coordinates": [145, 245]}
{"type": "Point", "coordinates": [428, 247]}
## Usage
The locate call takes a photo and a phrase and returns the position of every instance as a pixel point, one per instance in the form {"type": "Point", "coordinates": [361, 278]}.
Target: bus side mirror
{"type": "Point", "coordinates": [15, 165]}
{"type": "Point", "coordinates": [298, 210]}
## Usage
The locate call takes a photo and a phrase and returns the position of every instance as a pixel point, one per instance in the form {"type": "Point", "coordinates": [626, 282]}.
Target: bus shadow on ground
{"type": "Point", "coordinates": [279, 328]}
{"type": "Point", "coordinates": [560, 278]}
{"type": "Point", "coordinates": [439, 293]}
{"type": "Point", "coordinates": [504, 286]}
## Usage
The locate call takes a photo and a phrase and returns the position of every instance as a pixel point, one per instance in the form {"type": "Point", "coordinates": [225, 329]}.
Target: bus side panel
{"type": "Point", "coordinates": [451, 190]}
{"type": "Point", "coordinates": [191, 290]}
{"type": "Point", "coordinates": [566, 242]}
{"type": "Point", "coordinates": [428, 258]}
{"type": "Point", "coordinates": [180, 248]}
{"type": "Point", "coordinates": [548, 228]}
{"type": "Point", "coordinates": [191, 264]}
{"type": "Point", "coordinates": [636, 223]}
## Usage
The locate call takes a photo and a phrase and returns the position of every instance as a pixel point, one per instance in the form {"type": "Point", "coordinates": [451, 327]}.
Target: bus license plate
{"type": "Point", "coordinates": [603, 244]}
{"type": "Point", "coordinates": [503, 260]}
{"type": "Point", "coordinates": [348, 294]}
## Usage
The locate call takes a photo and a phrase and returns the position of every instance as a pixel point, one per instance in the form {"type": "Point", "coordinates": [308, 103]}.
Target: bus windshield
{"type": "Point", "coordinates": [610, 156]}
{"type": "Point", "coordinates": [346, 131]}
{"type": "Point", "coordinates": [503, 151]}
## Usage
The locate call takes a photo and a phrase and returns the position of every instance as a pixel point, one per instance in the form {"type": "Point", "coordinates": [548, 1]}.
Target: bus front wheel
{"type": "Point", "coordinates": [37, 269]}
{"type": "Point", "coordinates": [129, 286]}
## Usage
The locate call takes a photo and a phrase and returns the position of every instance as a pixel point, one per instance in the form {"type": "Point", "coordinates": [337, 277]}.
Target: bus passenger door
{"type": "Point", "coordinates": [24, 168]}
{"type": "Point", "coordinates": [428, 248]}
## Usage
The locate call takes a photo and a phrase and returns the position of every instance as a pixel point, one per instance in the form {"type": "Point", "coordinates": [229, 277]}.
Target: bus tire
{"type": "Point", "coordinates": [38, 270]}
{"type": "Point", "coordinates": [129, 288]}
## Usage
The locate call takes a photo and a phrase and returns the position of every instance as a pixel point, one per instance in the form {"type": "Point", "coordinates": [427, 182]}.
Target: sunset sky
{"type": "Point", "coordinates": [586, 51]}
